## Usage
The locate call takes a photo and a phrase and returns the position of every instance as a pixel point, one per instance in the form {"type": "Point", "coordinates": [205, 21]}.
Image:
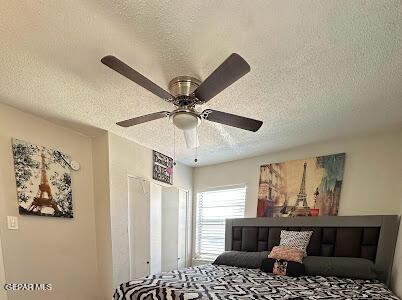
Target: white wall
{"type": "Point", "coordinates": [372, 180]}
{"type": "Point", "coordinates": [127, 158]}
{"type": "Point", "coordinates": [49, 250]}
{"type": "Point", "coordinates": [86, 257]}
{"type": "Point", "coordinates": [3, 295]}
{"type": "Point", "coordinates": [96, 239]}
{"type": "Point", "coordinates": [100, 156]}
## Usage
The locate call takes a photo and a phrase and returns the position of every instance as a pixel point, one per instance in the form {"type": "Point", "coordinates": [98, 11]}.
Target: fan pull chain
{"type": "Point", "coordinates": [196, 145]}
{"type": "Point", "coordinates": [174, 145]}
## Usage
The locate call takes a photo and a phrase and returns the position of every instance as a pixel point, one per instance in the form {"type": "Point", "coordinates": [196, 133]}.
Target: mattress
{"type": "Point", "coordinates": [226, 282]}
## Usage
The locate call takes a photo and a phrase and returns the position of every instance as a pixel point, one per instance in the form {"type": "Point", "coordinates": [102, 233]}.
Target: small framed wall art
{"type": "Point", "coordinates": [162, 167]}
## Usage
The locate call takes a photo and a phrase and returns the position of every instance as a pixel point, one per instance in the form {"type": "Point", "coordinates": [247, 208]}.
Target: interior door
{"type": "Point", "coordinates": [139, 229]}
{"type": "Point", "coordinates": [170, 220]}
{"type": "Point", "coordinates": [155, 228]}
{"type": "Point", "coordinates": [182, 229]}
{"type": "Point", "coordinates": [174, 228]}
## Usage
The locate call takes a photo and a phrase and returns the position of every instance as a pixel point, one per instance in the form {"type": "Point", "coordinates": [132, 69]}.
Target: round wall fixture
{"type": "Point", "coordinates": [75, 165]}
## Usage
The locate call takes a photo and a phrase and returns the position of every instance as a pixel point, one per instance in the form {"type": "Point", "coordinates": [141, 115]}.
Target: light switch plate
{"type": "Point", "coordinates": [12, 222]}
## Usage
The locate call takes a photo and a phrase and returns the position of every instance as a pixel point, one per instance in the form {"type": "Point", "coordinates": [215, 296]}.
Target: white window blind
{"type": "Point", "coordinates": [213, 207]}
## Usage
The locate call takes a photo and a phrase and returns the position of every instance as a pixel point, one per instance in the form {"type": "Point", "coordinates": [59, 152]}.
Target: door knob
{"type": "Point", "coordinates": [147, 262]}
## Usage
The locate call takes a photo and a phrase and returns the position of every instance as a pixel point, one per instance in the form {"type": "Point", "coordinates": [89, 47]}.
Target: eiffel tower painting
{"type": "Point", "coordinates": [308, 187]}
{"type": "Point", "coordinates": [301, 198]}
{"type": "Point", "coordinates": [44, 197]}
{"type": "Point", "coordinates": [43, 180]}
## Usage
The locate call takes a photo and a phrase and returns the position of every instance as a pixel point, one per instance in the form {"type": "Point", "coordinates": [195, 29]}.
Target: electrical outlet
{"type": "Point", "coordinates": [12, 222]}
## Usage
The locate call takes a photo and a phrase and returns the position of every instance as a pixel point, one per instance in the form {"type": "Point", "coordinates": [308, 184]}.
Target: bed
{"type": "Point", "coordinates": [365, 237]}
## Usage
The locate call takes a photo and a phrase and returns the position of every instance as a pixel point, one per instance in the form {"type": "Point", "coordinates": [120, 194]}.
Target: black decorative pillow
{"type": "Point", "coordinates": [250, 260]}
{"type": "Point", "coordinates": [348, 267]}
{"type": "Point", "coordinates": [282, 267]}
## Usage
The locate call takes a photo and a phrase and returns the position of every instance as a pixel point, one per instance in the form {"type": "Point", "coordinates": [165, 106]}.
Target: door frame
{"type": "Point", "coordinates": [187, 256]}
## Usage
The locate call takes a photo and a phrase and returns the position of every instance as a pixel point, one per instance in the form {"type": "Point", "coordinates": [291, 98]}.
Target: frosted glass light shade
{"type": "Point", "coordinates": [185, 121]}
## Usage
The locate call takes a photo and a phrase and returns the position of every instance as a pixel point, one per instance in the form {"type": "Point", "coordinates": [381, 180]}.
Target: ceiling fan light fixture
{"type": "Point", "coordinates": [185, 120]}
{"type": "Point", "coordinates": [185, 92]}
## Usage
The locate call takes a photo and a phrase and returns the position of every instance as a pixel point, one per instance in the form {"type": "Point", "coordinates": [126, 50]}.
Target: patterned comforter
{"type": "Point", "coordinates": [225, 282]}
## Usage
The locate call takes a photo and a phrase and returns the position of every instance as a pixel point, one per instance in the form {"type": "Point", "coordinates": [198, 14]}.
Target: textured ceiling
{"type": "Point", "coordinates": [319, 69]}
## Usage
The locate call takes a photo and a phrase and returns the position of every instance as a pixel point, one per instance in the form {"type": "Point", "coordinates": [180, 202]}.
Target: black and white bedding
{"type": "Point", "coordinates": [227, 282]}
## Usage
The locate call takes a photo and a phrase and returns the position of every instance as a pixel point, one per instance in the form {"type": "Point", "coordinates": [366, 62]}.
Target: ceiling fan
{"type": "Point", "coordinates": [186, 92]}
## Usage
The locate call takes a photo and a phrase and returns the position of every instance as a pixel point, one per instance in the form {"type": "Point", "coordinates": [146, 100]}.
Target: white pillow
{"type": "Point", "coordinates": [296, 239]}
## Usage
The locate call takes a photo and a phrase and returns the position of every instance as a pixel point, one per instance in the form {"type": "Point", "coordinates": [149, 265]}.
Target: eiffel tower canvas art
{"type": "Point", "coordinates": [306, 187]}
{"type": "Point", "coordinates": [43, 180]}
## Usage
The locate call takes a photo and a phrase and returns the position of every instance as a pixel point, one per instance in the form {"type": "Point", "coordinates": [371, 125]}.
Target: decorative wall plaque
{"type": "Point", "coordinates": [162, 167]}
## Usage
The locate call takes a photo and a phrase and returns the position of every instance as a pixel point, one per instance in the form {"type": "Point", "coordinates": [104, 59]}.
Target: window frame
{"type": "Point", "coordinates": [209, 257]}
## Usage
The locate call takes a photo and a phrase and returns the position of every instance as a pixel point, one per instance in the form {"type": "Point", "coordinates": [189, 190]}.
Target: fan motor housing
{"type": "Point", "coordinates": [183, 85]}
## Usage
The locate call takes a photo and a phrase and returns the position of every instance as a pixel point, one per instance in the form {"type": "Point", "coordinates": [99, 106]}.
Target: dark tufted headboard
{"type": "Point", "coordinates": [370, 237]}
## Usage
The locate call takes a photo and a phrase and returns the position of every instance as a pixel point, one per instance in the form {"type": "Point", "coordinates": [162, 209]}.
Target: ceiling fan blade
{"type": "Point", "coordinates": [231, 120]}
{"type": "Point", "coordinates": [120, 67]}
{"type": "Point", "coordinates": [232, 69]}
{"type": "Point", "coordinates": [143, 119]}
{"type": "Point", "coordinates": [191, 137]}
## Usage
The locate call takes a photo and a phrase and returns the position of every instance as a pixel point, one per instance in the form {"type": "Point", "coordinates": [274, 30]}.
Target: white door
{"type": "Point", "coordinates": [155, 228]}
{"type": "Point", "coordinates": [170, 209]}
{"type": "Point", "coordinates": [139, 229]}
{"type": "Point", "coordinates": [182, 229]}
{"type": "Point", "coordinates": [174, 228]}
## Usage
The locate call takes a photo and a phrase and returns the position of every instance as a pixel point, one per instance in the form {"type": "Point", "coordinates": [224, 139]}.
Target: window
{"type": "Point", "coordinates": [213, 207]}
